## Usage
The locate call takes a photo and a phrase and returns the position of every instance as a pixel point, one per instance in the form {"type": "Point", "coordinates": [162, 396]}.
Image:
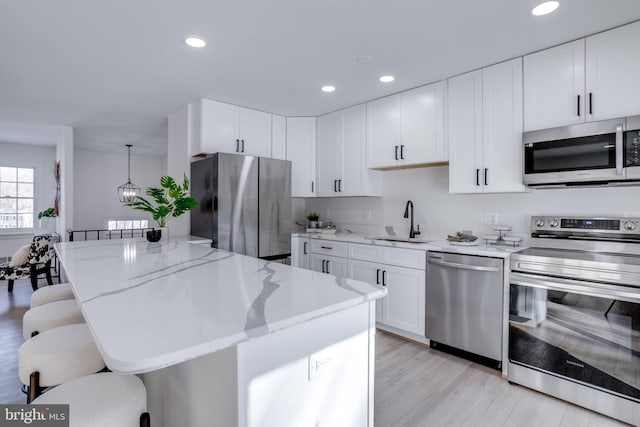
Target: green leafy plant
{"type": "Point", "coordinates": [313, 216]}
{"type": "Point", "coordinates": [171, 200]}
{"type": "Point", "coordinates": [47, 213]}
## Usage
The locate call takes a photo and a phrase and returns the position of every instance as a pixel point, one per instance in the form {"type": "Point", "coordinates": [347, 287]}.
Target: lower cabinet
{"type": "Point", "coordinates": [404, 306]}
{"type": "Point", "coordinates": [328, 264]}
{"type": "Point", "coordinates": [300, 252]}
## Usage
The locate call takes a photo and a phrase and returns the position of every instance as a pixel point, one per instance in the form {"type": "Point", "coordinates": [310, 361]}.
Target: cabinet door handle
{"type": "Point", "coordinates": [478, 177]}
{"type": "Point", "coordinates": [312, 186]}
{"type": "Point", "coordinates": [335, 185]}
{"type": "Point", "coordinates": [402, 152]}
{"type": "Point", "coordinates": [396, 155]}
{"type": "Point", "coordinates": [384, 282]}
{"type": "Point", "coordinates": [237, 145]}
{"type": "Point", "coordinates": [377, 276]}
{"type": "Point", "coordinates": [328, 271]}
{"type": "Point", "coordinates": [486, 170]}
{"type": "Point", "coordinates": [323, 261]}
{"type": "Point", "coordinates": [590, 103]}
{"type": "Point", "coordinates": [242, 146]}
{"type": "Point", "coordinates": [578, 105]}
{"type": "Point", "coordinates": [340, 186]}
{"type": "Point", "coordinates": [304, 248]}
{"type": "Point", "coordinates": [326, 247]}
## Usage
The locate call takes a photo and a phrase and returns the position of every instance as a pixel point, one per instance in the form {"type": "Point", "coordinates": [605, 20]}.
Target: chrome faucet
{"type": "Point", "coordinates": [412, 233]}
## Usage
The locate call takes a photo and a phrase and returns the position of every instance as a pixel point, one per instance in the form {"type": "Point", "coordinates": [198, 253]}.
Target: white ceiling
{"type": "Point", "coordinates": [115, 69]}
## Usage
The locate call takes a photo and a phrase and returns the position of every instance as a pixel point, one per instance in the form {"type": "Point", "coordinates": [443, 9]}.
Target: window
{"type": "Point", "coordinates": [127, 224]}
{"type": "Point", "coordinates": [16, 197]}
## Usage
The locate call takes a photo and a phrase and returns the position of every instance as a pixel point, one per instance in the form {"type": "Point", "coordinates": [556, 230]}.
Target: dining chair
{"type": "Point", "coordinates": [37, 261]}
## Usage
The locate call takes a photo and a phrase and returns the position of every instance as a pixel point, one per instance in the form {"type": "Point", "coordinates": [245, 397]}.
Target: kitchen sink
{"type": "Point", "coordinates": [398, 239]}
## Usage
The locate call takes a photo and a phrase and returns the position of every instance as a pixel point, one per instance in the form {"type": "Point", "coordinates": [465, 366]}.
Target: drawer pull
{"type": "Point", "coordinates": [326, 247]}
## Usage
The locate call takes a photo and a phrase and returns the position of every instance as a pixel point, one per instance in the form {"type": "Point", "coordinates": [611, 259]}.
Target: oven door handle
{"type": "Point", "coordinates": [463, 266]}
{"type": "Point", "coordinates": [595, 289]}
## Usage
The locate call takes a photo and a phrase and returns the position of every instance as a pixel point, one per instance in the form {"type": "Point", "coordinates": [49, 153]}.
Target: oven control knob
{"type": "Point", "coordinates": [629, 226]}
{"type": "Point", "coordinates": [553, 223]}
{"type": "Point", "coordinates": [539, 222]}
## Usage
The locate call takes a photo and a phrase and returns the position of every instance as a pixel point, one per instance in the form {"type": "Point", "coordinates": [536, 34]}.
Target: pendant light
{"type": "Point", "coordinates": [128, 192]}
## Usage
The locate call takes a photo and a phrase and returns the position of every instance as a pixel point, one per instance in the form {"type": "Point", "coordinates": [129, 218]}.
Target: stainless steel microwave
{"type": "Point", "coordinates": [597, 153]}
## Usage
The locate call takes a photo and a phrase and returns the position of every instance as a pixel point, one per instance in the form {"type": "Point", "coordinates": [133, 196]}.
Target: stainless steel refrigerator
{"type": "Point", "coordinates": [245, 204]}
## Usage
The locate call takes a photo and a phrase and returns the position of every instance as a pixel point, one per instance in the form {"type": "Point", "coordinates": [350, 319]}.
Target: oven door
{"type": "Point", "coordinates": [586, 332]}
{"type": "Point", "coordinates": [582, 153]}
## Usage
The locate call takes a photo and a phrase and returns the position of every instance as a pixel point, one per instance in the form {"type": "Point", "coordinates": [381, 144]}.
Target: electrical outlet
{"type": "Point", "coordinates": [491, 218]}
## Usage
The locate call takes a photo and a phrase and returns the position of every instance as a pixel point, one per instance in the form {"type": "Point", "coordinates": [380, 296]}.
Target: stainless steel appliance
{"type": "Point", "coordinates": [596, 153]}
{"type": "Point", "coordinates": [245, 204]}
{"type": "Point", "coordinates": [574, 313]}
{"type": "Point", "coordinates": [464, 302]}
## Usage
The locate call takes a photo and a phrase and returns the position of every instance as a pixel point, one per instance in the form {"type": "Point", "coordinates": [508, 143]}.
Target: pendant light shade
{"type": "Point", "coordinates": [128, 192]}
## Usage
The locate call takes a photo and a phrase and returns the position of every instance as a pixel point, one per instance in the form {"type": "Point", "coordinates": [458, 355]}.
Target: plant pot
{"type": "Point", "coordinates": [154, 235]}
{"type": "Point", "coordinates": [313, 224]}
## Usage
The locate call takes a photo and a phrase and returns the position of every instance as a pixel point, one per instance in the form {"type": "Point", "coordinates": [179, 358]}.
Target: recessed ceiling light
{"type": "Point", "coordinates": [545, 8]}
{"type": "Point", "coordinates": [328, 88]}
{"type": "Point", "coordinates": [195, 42]}
{"type": "Point", "coordinates": [387, 79]}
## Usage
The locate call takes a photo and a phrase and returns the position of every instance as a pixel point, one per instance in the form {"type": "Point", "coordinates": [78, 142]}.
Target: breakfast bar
{"type": "Point", "coordinates": [225, 339]}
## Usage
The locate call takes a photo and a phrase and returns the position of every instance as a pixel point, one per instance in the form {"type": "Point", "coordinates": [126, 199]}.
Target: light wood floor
{"type": "Point", "coordinates": [415, 386]}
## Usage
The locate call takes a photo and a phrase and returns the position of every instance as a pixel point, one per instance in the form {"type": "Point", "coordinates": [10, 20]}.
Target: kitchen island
{"type": "Point", "coordinates": [225, 339]}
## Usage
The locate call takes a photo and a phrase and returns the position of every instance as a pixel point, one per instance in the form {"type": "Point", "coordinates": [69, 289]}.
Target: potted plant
{"type": "Point", "coordinates": [45, 215]}
{"type": "Point", "coordinates": [313, 218]}
{"type": "Point", "coordinates": [169, 201]}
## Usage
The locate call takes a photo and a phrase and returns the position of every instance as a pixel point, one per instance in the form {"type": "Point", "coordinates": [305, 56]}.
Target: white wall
{"type": "Point", "coordinates": [43, 160]}
{"type": "Point", "coordinates": [178, 163]}
{"type": "Point", "coordinates": [96, 177]}
{"type": "Point", "coordinates": [440, 213]}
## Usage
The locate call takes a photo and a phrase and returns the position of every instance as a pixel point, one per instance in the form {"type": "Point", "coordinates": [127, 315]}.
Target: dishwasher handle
{"type": "Point", "coordinates": [463, 266]}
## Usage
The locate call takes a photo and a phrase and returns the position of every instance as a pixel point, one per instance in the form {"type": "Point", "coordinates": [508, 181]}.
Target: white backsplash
{"type": "Point", "coordinates": [440, 213]}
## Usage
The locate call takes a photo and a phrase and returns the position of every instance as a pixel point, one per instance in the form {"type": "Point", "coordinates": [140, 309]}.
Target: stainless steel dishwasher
{"type": "Point", "coordinates": [464, 302]}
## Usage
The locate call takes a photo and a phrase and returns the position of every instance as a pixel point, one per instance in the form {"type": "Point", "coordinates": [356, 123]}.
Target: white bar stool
{"type": "Point", "coordinates": [48, 294]}
{"type": "Point", "coordinates": [56, 356]}
{"type": "Point", "coordinates": [49, 316]}
{"type": "Point", "coordinates": [102, 400]}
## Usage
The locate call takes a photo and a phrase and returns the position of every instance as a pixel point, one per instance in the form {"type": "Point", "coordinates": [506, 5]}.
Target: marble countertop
{"type": "Point", "coordinates": [433, 245]}
{"type": "Point", "coordinates": [152, 305]}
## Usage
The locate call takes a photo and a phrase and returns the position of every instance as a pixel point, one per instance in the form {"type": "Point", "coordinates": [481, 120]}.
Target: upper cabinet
{"type": "Point", "coordinates": [485, 130]}
{"type": "Point", "coordinates": [220, 127]}
{"type": "Point", "coordinates": [341, 155]}
{"type": "Point", "coordinates": [407, 129]}
{"type": "Point", "coordinates": [585, 80]}
{"type": "Point", "coordinates": [301, 149]}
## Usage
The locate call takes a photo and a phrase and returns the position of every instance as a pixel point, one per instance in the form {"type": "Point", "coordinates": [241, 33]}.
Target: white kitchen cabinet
{"type": "Point", "coordinates": [328, 264]}
{"type": "Point", "coordinates": [341, 155]}
{"type": "Point", "coordinates": [407, 129]}
{"type": "Point", "coordinates": [220, 127]}
{"type": "Point", "coordinates": [369, 272]}
{"type": "Point", "coordinates": [586, 80]}
{"type": "Point", "coordinates": [485, 130]}
{"type": "Point", "coordinates": [300, 252]}
{"type": "Point", "coordinates": [301, 149]}
{"type": "Point", "coordinates": [404, 306]}
{"type": "Point", "coordinates": [612, 83]}
{"type": "Point", "coordinates": [554, 87]}
{"type": "Point", "coordinates": [278, 137]}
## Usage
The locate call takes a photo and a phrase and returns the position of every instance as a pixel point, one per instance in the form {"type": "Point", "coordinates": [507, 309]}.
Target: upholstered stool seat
{"type": "Point", "coordinates": [49, 316]}
{"type": "Point", "coordinates": [58, 355]}
{"type": "Point", "coordinates": [101, 400]}
{"type": "Point", "coordinates": [53, 293]}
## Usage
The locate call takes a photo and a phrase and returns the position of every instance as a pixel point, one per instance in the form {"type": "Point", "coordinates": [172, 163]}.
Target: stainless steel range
{"type": "Point", "coordinates": [574, 313]}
